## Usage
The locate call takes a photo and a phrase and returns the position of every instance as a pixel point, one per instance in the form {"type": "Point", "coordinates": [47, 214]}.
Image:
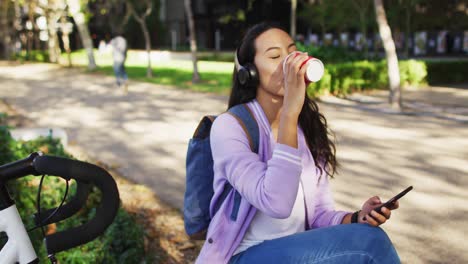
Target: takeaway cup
{"type": "Point", "coordinates": [314, 71]}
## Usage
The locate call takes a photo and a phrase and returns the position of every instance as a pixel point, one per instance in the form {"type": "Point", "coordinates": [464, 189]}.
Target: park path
{"type": "Point", "coordinates": [144, 136]}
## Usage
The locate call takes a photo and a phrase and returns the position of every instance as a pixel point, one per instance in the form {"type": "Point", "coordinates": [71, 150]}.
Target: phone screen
{"type": "Point", "coordinates": [393, 199]}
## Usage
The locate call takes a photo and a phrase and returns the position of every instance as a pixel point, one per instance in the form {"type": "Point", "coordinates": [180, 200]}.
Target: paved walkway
{"type": "Point", "coordinates": [144, 135]}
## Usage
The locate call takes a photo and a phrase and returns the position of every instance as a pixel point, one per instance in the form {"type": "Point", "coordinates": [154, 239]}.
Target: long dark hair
{"type": "Point", "coordinates": [312, 122]}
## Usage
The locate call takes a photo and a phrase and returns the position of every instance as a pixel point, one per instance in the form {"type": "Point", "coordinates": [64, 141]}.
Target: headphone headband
{"type": "Point", "coordinates": [236, 61]}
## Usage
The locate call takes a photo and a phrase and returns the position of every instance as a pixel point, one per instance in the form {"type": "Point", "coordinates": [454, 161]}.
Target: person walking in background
{"type": "Point", "coordinates": [119, 54]}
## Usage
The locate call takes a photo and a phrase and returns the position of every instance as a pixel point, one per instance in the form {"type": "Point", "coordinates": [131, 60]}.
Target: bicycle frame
{"type": "Point", "coordinates": [18, 248]}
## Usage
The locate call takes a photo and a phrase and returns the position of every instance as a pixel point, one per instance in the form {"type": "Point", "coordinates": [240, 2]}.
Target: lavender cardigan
{"type": "Point", "coordinates": [267, 181]}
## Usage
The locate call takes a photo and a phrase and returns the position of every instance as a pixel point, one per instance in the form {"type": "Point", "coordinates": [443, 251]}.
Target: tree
{"type": "Point", "coordinates": [74, 8]}
{"type": "Point", "coordinates": [116, 9]}
{"type": "Point", "coordinates": [193, 40]}
{"type": "Point", "coordinates": [5, 22]}
{"type": "Point", "coordinates": [233, 13]}
{"type": "Point", "coordinates": [395, 97]}
{"type": "Point", "coordinates": [403, 16]}
{"type": "Point", "coordinates": [140, 10]}
{"type": "Point", "coordinates": [65, 28]}
{"type": "Point", "coordinates": [315, 14]}
{"type": "Point", "coordinates": [326, 15]}
{"type": "Point", "coordinates": [31, 27]}
{"type": "Point", "coordinates": [53, 10]}
{"type": "Point", "coordinates": [292, 23]}
{"type": "Point", "coordinates": [450, 15]}
{"type": "Point", "coordinates": [363, 8]}
{"type": "Point", "coordinates": [409, 10]}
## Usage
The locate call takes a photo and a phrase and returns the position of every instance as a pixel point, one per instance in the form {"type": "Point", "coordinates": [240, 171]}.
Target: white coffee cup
{"type": "Point", "coordinates": [314, 71]}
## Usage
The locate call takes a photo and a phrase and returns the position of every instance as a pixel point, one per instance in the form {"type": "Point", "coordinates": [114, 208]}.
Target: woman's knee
{"type": "Point", "coordinates": [378, 244]}
{"type": "Point", "coordinates": [377, 235]}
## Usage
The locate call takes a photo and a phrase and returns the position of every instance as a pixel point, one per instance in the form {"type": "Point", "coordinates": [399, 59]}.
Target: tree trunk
{"type": "Point", "coordinates": [292, 30]}
{"type": "Point", "coordinates": [5, 33]}
{"type": "Point", "coordinates": [324, 32]}
{"type": "Point", "coordinates": [193, 41]}
{"type": "Point", "coordinates": [390, 52]}
{"type": "Point", "coordinates": [30, 32]}
{"type": "Point", "coordinates": [66, 46]}
{"type": "Point", "coordinates": [407, 31]}
{"type": "Point", "coordinates": [86, 40]}
{"type": "Point", "coordinates": [144, 28]}
{"type": "Point", "coordinates": [78, 16]}
{"type": "Point", "coordinates": [149, 70]}
{"type": "Point", "coordinates": [54, 48]}
{"type": "Point", "coordinates": [66, 40]}
{"type": "Point", "coordinates": [29, 41]}
{"type": "Point", "coordinates": [53, 39]}
{"type": "Point", "coordinates": [16, 28]}
{"type": "Point", "coordinates": [141, 19]}
{"type": "Point", "coordinates": [364, 33]}
{"type": "Point", "coordinates": [37, 41]}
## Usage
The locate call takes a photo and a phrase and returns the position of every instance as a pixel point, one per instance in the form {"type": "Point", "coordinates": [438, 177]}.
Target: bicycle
{"type": "Point", "coordinates": [18, 248]}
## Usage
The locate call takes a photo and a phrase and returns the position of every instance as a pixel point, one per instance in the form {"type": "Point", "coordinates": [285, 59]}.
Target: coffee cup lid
{"type": "Point", "coordinates": [315, 70]}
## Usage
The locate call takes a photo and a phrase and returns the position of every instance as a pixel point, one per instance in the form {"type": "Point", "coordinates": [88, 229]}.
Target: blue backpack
{"type": "Point", "coordinates": [199, 173]}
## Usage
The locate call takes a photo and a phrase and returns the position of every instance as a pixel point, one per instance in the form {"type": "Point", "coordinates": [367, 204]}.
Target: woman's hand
{"type": "Point", "coordinates": [370, 216]}
{"type": "Point", "coordinates": [294, 84]}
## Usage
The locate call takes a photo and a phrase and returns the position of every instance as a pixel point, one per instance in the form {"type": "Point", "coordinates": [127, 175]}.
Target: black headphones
{"type": "Point", "coordinates": [246, 75]}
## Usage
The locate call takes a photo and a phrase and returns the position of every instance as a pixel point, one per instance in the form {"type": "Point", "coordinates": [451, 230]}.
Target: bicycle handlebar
{"type": "Point", "coordinates": [19, 168]}
{"type": "Point", "coordinates": [68, 209]}
{"type": "Point", "coordinates": [86, 173]}
{"type": "Point", "coordinates": [105, 213]}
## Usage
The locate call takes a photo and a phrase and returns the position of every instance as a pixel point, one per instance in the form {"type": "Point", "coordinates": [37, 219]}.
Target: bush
{"type": "Point", "coordinates": [216, 56]}
{"type": "Point", "coordinates": [412, 72]}
{"type": "Point", "coordinates": [6, 146]}
{"type": "Point", "coordinates": [347, 71]}
{"type": "Point", "coordinates": [127, 250]}
{"type": "Point", "coordinates": [344, 78]}
{"type": "Point", "coordinates": [121, 243]}
{"type": "Point", "coordinates": [445, 72]}
{"type": "Point", "coordinates": [331, 54]}
{"type": "Point", "coordinates": [358, 76]}
{"type": "Point", "coordinates": [33, 55]}
{"type": "Point", "coordinates": [321, 87]}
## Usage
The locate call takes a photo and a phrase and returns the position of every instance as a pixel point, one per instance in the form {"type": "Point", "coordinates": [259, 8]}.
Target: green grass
{"type": "Point", "coordinates": [216, 76]}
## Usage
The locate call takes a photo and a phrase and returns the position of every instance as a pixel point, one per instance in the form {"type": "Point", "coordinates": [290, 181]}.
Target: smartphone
{"type": "Point", "coordinates": [390, 202]}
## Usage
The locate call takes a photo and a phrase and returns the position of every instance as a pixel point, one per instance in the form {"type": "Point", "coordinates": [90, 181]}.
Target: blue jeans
{"type": "Point", "coordinates": [349, 243]}
{"type": "Point", "coordinates": [120, 74]}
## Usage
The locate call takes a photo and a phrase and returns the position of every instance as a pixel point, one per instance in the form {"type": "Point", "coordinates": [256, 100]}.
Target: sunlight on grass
{"type": "Point", "coordinates": [216, 76]}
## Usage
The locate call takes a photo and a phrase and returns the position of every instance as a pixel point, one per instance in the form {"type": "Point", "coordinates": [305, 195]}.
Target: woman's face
{"type": "Point", "coordinates": [272, 46]}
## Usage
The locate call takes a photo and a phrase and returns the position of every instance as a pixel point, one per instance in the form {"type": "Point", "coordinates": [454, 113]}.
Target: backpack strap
{"type": "Point", "coordinates": [204, 127]}
{"type": "Point", "coordinates": [246, 119]}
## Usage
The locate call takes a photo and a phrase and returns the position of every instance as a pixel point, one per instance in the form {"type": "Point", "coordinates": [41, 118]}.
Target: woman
{"type": "Point", "coordinates": [286, 214]}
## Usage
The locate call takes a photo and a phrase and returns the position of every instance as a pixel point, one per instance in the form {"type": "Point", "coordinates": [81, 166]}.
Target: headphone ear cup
{"type": "Point", "coordinates": [254, 79]}
{"type": "Point", "coordinates": [243, 75]}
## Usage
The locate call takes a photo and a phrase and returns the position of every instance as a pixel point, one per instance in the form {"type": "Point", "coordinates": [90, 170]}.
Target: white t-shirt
{"type": "Point", "coordinates": [264, 227]}
{"type": "Point", "coordinates": [119, 49]}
